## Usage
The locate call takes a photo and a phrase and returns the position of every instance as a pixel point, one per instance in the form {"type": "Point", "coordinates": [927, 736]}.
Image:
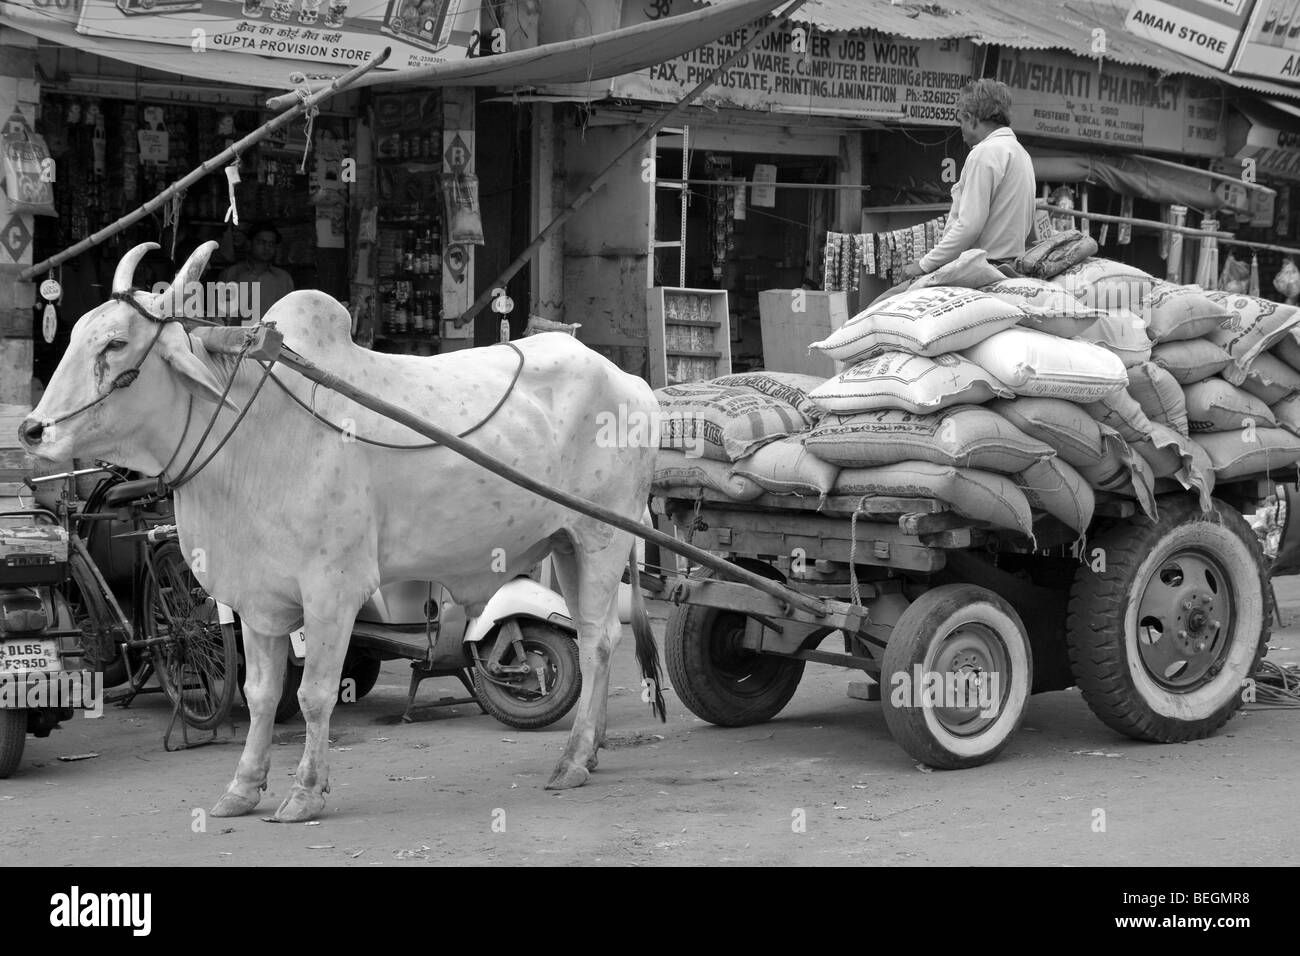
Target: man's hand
{"type": "Point", "coordinates": [913, 270]}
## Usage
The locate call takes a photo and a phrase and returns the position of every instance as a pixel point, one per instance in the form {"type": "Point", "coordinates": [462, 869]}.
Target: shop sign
{"type": "Point", "coordinates": [348, 32]}
{"type": "Point", "coordinates": [1270, 47]}
{"type": "Point", "coordinates": [800, 69]}
{"type": "Point", "coordinates": [1205, 30]}
{"type": "Point", "coordinates": [1058, 95]}
{"type": "Point", "coordinates": [15, 237]}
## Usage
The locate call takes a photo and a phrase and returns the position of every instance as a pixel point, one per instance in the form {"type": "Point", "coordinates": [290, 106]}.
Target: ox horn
{"type": "Point", "coordinates": [125, 274]}
{"type": "Point", "coordinates": [173, 299]}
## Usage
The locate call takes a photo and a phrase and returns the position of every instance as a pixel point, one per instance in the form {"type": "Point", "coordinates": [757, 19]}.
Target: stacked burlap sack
{"type": "Point", "coordinates": [1000, 395]}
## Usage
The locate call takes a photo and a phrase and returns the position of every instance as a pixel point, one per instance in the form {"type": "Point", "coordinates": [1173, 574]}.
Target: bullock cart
{"type": "Point", "coordinates": [1160, 622]}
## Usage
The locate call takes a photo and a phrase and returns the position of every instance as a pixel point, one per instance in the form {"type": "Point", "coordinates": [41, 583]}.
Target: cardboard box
{"type": "Point", "coordinates": [792, 320]}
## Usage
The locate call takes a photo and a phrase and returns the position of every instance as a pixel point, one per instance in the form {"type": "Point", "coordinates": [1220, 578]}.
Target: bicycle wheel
{"type": "Point", "coordinates": [99, 624]}
{"type": "Point", "coordinates": [196, 659]}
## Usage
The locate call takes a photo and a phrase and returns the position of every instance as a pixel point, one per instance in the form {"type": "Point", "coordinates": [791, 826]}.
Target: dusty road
{"type": "Point", "coordinates": [681, 793]}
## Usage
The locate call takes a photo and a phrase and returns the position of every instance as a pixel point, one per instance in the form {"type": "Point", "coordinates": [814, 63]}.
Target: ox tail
{"type": "Point", "coordinates": [647, 651]}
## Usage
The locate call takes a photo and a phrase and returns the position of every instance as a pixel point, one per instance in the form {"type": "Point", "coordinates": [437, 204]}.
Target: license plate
{"type": "Point", "coordinates": [30, 654]}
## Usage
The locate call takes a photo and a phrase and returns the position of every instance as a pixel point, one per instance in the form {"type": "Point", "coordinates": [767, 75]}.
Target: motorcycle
{"type": "Point", "coordinates": [518, 660]}
{"type": "Point", "coordinates": [39, 639]}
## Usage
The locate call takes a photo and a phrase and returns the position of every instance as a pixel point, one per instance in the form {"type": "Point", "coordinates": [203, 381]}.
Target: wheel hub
{"type": "Point", "coordinates": [972, 663]}
{"type": "Point", "coordinates": [1184, 619]}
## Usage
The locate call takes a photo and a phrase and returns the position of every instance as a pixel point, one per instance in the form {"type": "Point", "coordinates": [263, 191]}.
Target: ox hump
{"type": "Point", "coordinates": [312, 322]}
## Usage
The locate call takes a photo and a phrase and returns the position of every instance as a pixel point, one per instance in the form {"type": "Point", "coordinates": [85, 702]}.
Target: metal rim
{"type": "Point", "coordinates": [745, 673]}
{"type": "Point", "coordinates": [975, 664]}
{"type": "Point", "coordinates": [545, 665]}
{"type": "Point", "coordinates": [193, 663]}
{"type": "Point", "coordinates": [1185, 617]}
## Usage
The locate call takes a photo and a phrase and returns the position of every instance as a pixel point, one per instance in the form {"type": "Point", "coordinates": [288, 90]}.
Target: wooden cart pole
{"type": "Point", "coordinates": [603, 176]}
{"type": "Point", "coordinates": [311, 371]}
{"type": "Point", "coordinates": [228, 155]}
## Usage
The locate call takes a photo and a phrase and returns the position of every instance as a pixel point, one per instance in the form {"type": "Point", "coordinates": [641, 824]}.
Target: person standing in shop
{"type": "Point", "coordinates": [993, 201]}
{"type": "Point", "coordinates": [260, 282]}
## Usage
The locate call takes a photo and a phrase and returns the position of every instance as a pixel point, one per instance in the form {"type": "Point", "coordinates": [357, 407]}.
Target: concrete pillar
{"type": "Point", "coordinates": [19, 94]}
{"type": "Point", "coordinates": [547, 202]}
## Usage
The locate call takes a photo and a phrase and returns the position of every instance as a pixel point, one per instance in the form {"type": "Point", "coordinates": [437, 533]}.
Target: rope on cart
{"type": "Point", "coordinates": [855, 594]}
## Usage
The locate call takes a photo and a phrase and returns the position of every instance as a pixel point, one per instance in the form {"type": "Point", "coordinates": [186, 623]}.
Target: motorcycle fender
{"type": "Point", "coordinates": [522, 597]}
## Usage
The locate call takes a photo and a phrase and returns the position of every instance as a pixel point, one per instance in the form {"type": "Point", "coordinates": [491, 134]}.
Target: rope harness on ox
{"type": "Point", "coordinates": [185, 475]}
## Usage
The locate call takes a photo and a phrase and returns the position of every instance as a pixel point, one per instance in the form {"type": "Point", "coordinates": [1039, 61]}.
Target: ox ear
{"type": "Point", "coordinates": [195, 376]}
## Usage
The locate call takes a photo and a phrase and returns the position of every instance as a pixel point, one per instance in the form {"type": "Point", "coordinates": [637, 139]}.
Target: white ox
{"type": "Point", "coordinates": [297, 524]}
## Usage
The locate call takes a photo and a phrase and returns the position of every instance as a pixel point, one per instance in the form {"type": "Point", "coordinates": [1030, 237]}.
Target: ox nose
{"type": "Point", "coordinates": [30, 432]}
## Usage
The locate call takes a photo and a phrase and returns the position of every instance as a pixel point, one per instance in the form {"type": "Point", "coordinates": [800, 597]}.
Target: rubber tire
{"type": "Point", "coordinates": [94, 605]}
{"type": "Point", "coordinates": [706, 693]}
{"type": "Point", "coordinates": [287, 709]}
{"type": "Point", "coordinates": [363, 670]}
{"type": "Point", "coordinates": [559, 700]}
{"type": "Point", "coordinates": [13, 737]}
{"type": "Point", "coordinates": [933, 615]}
{"type": "Point", "coordinates": [1103, 648]}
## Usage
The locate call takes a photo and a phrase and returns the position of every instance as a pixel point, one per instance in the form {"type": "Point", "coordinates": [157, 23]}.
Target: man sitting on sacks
{"type": "Point", "coordinates": [993, 201]}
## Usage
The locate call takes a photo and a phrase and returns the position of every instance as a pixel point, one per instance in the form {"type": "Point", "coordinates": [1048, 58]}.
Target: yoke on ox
{"type": "Point", "coordinates": [298, 522]}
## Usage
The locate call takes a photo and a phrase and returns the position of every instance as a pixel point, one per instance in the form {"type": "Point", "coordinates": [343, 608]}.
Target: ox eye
{"type": "Point", "coordinates": [115, 346]}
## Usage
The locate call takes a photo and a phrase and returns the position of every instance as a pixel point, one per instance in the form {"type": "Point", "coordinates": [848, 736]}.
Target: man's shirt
{"type": "Point", "coordinates": [992, 203]}
{"type": "Point", "coordinates": [271, 285]}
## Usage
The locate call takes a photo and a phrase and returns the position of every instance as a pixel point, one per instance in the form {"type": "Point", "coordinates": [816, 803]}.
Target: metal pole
{"type": "Point", "coordinates": [602, 177]}
{"type": "Point", "coordinates": [228, 155]}
{"type": "Point", "coordinates": [311, 371]}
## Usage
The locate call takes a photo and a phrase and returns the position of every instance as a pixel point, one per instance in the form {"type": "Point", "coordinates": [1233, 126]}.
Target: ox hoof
{"type": "Point", "coordinates": [301, 805]}
{"type": "Point", "coordinates": [593, 761]}
{"type": "Point", "coordinates": [568, 776]}
{"type": "Point", "coordinates": [235, 805]}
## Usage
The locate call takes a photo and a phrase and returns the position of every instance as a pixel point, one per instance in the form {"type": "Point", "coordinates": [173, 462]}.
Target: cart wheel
{"type": "Point", "coordinates": [1163, 639]}
{"type": "Point", "coordinates": [955, 676]}
{"type": "Point", "coordinates": [13, 737]}
{"type": "Point", "coordinates": [527, 704]}
{"type": "Point", "coordinates": [714, 675]}
{"type": "Point", "coordinates": [288, 707]}
{"type": "Point", "coordinates": [363, 671]}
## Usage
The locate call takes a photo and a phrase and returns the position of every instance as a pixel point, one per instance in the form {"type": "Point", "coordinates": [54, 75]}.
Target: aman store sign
{"type": "Point", "coordinates": [1205, 30]}
{"type": "Point", "coordinates": [1117, 107]}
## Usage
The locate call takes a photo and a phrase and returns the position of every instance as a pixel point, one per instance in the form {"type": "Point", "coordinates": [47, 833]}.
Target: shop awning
{"type": "Point", "coordinates": [1269, 134]}
{"type": "Point", "coordinates": [573, 61]}
{"type": "Point", "coordinates": [1135, 176]}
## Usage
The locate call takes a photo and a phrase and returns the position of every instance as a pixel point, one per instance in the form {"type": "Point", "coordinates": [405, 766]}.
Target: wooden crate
{"type": "Point", "coordinates": [690, 335]}
{"type": "Point", "coordinates": [792, 320]}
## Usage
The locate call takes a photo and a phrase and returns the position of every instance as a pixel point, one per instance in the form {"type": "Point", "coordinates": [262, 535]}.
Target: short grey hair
{"type": "Point", "coordinates": [986, 99]}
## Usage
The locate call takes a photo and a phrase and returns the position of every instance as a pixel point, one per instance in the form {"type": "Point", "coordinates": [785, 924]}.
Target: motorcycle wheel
{"type": "Point", "coordinates": [13, 737]}
{"type": "Point", "coordinates": [526, 704]}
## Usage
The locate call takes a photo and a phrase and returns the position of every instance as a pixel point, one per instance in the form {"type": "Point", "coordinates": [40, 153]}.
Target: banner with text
{"type": "Point", "coordinates": [1205, 30]}
{"type": "Point", "coordinates": [1270, 47]}
{"type": "Point", "coordinates": [347, 32]}
{"type": "Point", "coordinates": [1055, 94]}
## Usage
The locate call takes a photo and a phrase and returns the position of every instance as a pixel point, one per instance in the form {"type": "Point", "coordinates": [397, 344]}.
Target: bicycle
{"type": "Point", "coordinates": [175, 632]}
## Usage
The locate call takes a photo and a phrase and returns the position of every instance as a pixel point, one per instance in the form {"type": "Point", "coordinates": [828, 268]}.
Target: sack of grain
{"type": "Point", "coordinates": [1174, 313]}
{"type": "Point", "coordinates": [1216, 406]}
{"type": "Point", "coordinates": [1120, 411]}
{"type": "Point", "coordinates": [1123, 332]}
{"type": "Point", "coordinates": [978, 495]}
{"type": "Point", "coordinates": [1056, 253]}
{"type": "Point", "coordinates": [1250, 452]}
{"type": "Point", "coordinates": [913, 383]}
{"type": "Point", "coordinates": [1287, 348]}
{"type": "Point", "coordinates": [789, 387]}
{"type": "Point", "coordinates": [786, 467]}
{"type": "Point", "coordinates": [965, 436]}
{"type": "Point", "coordinates": [921, 321]}
{"type": "Point", "coordinates": [1270, 379]}
{"type": "Point", "coordinates": [722, 423]}
{"type": "Point", "coordinates": [676, 474]}
{"type": "Point", "coordinates": [1034, 363]}
{"type": "Point", "coordinates": [1055, 487]}
{"type": "Point", "coordinates": [1172, 455]}
{"type": "Point", "coordinates": [1059, 424]}
{"type": "Point", "coordinates": [1253, 325]}
{"type": "Point", "coordinates": [1122, 471]}
{"type": "Point", "coordinates": [1106, 284]}
{"type": "Point", "coordinates": [970, 270]}
{"type": "Point", "coordinates": [1287, 413]}
{"type": "Point", "coordinates": [1159, 395]}
{"type": "Point", "coordinates": [1191, 362]}
{"type": "Point", "coordinates": [1048, 308]}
